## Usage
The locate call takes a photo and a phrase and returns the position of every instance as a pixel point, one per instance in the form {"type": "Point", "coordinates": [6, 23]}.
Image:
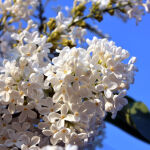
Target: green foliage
{"type": "Point", "coordinates": [134, 118]}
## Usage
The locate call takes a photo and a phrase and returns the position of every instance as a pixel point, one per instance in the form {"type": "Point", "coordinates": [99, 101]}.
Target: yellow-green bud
{"type": "Point", "coordinates": [111, 12]}
{"type": "Point", "coordinates": [51, 24]}
{"type": "Point", "coordinates": [78, 10]}
{"type": "Point", "coordinates": [66, 42]}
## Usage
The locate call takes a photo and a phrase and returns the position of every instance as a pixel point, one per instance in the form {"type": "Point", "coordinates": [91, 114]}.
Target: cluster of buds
{"type": "Point", "coordinates": [124, 9]}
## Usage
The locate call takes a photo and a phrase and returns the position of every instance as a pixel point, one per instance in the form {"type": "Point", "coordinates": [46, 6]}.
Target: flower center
{"type": "Point", "coordinates": [65, 71]}
{"type": "Point", "coordinates": [14, 141]}
{"type": "Point", "coordinates": [76, 114]}
{"type": "Point", "coordinates": [51, 110]}
{"type": "Point", "coordinates": [63, 91]}
{"type": "Point", "coordinates": [60, 81]}
{"type": "Point", "coordinates": [63, 116]}
{"type": "Point", "coordinates": [28, 54]}
{"type": "Point", "coordinates": [63, 130]}
{"type": "Point", "coordinates": [25, 108]}
{"type": "Point", "coordinates": [112, 69]}
{"type": "Point", "coordinates": [29, 84]}
{"type": "Point", "coordinates": [76, 78]}
{"type": "Point", "coordinates": [4, 138]}
{"type": "Point", "coordinates": [4, 124]}
{"type": "Point", "coordinates": [105, 87]}
{"type": "Point", "coordinates": [96, 103]}
{"type": "Point", "coordinates": [6, 88]}
{"type": "Point", "coordinates": [12, 100]}
{"type": "Point", "coordinates": [21, 93]}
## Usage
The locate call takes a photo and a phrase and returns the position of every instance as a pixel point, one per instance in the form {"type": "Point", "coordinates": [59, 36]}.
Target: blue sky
{"type": "Point", "coordinates": [135, 39]}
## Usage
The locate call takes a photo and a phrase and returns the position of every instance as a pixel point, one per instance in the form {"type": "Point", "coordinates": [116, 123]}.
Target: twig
{"type": "Point", "coordinates": [94, 30]}
{"type": "Point", "coordinates": [41, 16]}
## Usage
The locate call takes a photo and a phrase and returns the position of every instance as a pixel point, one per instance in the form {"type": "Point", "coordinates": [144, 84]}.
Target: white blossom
{"type": "Point", "coordinates": [63, 100]}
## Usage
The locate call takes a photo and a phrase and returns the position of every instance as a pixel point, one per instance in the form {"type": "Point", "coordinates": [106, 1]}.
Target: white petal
{"type": "Point", "coordinates": [11, 133]}
{"type": "Point", "coordinates": [70, 117]}
{"type": "Point", "coordinates": [61, 123]}
{"type": "Point", "coordinates": [108, 106]}
{"type": "Point", "coordinates": [113, 85]}
{"type": "Point", "coordinates": [57, 107]}
{"type": "Point", "coordinates": [44, 111]}
{"type": "Point", "coordinates": [24, 147]}
{"type": "Point", "coordinates": [122, 93]}
{"type": "Point", "coordinates": [132, 60]}
{"type": "Point", "coordinates": [35, 140]}
{"type": "Point", "coordinates": [8, 118]}
{"type": "Point", "coordinates": [53, 116]}
{"type": "Point", "coordinates": [47, 132]}
{"type": "Point", "coordinates": [9, 143]}
{"type": "Point", "coordinates": [53, 141]}
{"type": "Point", "coordinates": [26, 126]}
{"type": "Point", "coordinates": [64, 109]}
{"type": "Point", "coordinates": [100, 87]}
{"type": "Point", "coordinates": [43, 125]}
{"type": "Point", "coordinates": [22, 116]}
{"type": "Point", "coordinates": [25, 139]}
{"type": "Point", "coordinates": [108, 93]}
{"type": "Point", "coordinates": [11, 108]}
{"type": "Point", "coordinates": [16, 126]}
{"type": "Point", "coordinates": [32, 114]}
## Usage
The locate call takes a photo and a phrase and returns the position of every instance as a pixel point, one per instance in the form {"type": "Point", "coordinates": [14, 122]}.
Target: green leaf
{"type": "Point", "coordinates": [140, 117]}
{"type": "Point", "coordinates": [134, 119]}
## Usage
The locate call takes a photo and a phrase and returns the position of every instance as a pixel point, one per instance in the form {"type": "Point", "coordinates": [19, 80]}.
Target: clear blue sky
{"type": "Point", "coordinates": [136, 39]}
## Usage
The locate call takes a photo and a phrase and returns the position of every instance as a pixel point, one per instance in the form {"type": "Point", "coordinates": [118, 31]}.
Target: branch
{"type": "Point", "coordinates": [41, 16]}
{"type": "Point", "coordinates": [94, 30]}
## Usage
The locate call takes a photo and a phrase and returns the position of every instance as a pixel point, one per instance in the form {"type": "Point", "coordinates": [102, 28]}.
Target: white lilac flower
{"type": "Point", "coordinates": [64, 116]}
{"type": "Point", "coordinates": [77, 138]}
{"type": "Point", "coordinates": [71, 147]}
{"type": "Point", "coordinates": [45, 123]}
{"type": "Point", "coordinates": [29, 143]}
{"type": "Point", "coordinates": [4, 123]}
{"type": "Point", "coordinates": [114, 75]}
{"type": "Point", "coordinates": [13, 139]}
{"type": "Point", "coordinates": [49, 107]}
{"type": "Point", "coordinates": [147, 5]}
{"type": "Point", "coordinates": [107, 86]}
{"type": "Point", "coordinates": [21, 127]}
{"type": "Point", "coordinates": [63, 134]}
{"type": "Point", "coordinates": [65, 100]}
{"type": "Point", "coordinates": [48, 147]}
{"type": "Point", "coordinates": [5, 46]}
{"type": "Point", "coordinates": [11, 69]}
{"type": "Point", "coordinates": [19, 7]}
{"type": "Point", "coordinates": [67, 147]}
{"type": "Point", "coordinates": [14, 98]}
{"type": "Point", "coordinates": [57, 133]}
{"type": "Point", "coordinates": [26, 112]}
{"type": "Point", "coordinates": [77, 33]}
{"type": "Point", "coordinates": [102, 3]}
{"type": "Point", "coordinates": [62, 22]}
{"type": "Point", "coordinates": [3, 137]}
{"type": "Point", "coordinates": [78, 113]}
{"type": "Point", "coordinates": [119, 102]}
